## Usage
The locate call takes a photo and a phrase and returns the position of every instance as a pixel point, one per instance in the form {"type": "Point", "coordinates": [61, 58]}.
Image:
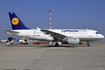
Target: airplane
{"type": "Point", "coordinates": [68, 36]}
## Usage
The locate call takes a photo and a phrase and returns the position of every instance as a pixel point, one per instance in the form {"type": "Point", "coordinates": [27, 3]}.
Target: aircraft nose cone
{"type": "Point", "coordinates": [101, 36]}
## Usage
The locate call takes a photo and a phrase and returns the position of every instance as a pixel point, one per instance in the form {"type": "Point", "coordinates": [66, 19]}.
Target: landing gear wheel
{"type": "Point", "coordinates": [56, 44]}
{"type": "Point", "coordinates": [88, 44]}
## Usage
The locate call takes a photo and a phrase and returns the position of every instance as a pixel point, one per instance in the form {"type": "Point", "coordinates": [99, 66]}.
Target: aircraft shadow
{"type": "Point", "coordinates": [43, 45]}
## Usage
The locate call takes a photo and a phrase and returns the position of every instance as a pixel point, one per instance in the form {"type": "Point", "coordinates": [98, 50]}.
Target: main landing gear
{"type": "Point", "coordinates": [56, 40]}
{"type": "Point", "coordinates": [87, 43]}
{"type": "Point", "coordinates": [56, 44]}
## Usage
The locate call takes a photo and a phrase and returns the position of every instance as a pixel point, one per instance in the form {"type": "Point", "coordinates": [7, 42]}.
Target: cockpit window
{"type": "Point", "coordinates": [97, 32]}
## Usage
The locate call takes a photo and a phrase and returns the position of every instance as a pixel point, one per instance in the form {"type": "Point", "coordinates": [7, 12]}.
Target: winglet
{"type": "Point", "coordinates": [38, 28]}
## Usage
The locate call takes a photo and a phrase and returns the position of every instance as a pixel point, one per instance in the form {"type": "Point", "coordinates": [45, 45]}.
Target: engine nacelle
{"type": "Point", "coordinates": [71, 40]}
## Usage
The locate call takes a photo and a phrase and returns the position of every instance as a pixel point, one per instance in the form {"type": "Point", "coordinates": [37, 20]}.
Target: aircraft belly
{"type": "Point", "coordinates": [89, 39]}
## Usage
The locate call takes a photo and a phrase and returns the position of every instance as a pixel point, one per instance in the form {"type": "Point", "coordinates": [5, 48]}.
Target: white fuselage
{"type": "Point", "coordinates": [82, 34]}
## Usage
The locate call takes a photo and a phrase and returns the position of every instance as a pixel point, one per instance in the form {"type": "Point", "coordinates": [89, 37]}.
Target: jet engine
{"type": "Point", "coordinates": [71, 40]}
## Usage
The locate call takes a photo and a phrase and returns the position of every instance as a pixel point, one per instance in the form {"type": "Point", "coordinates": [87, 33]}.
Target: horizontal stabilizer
{"type": "Point", "coordinates": [10, 31]}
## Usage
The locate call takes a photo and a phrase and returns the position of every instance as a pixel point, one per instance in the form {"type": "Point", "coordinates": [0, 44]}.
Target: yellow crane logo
{"type": "Point", "coordinates": [15, 21]}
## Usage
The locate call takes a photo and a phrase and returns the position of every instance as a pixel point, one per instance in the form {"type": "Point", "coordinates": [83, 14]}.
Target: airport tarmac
{"type": "Point", "coordinates": [47, 57]}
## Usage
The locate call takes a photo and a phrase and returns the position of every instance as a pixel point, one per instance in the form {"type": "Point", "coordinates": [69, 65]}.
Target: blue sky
{"type": "Point", "coordinates": [67, 14]}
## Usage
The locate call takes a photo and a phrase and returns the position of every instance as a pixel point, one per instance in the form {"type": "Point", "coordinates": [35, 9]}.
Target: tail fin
{"type": "Point", "coordinates": [16, 22]}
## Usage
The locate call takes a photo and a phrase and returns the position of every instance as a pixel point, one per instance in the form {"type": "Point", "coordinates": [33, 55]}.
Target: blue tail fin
{"type": "Point", "coordinates": [16, 22]}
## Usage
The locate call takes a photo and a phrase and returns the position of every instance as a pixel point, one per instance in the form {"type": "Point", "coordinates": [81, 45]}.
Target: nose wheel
{"type": "Point", "coordinates": [88, 44]}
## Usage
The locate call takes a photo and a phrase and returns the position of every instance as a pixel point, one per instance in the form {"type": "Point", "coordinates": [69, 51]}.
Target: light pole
{"type": "Point", "coordinates": [50, 17]}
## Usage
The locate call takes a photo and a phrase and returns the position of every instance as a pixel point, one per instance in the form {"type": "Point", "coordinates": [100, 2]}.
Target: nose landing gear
{"type": "Point", "coordinates": [87, 43]}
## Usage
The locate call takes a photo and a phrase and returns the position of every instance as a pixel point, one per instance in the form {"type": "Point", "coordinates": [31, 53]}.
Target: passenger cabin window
{"type": "Point", "coordinates": [97, 32]}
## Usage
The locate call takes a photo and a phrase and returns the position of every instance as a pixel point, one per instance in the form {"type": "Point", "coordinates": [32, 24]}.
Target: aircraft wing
{"type": "Point", "coordinates": [54, 34]}
{"type": "Point", "coordinates": [10, 32]}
